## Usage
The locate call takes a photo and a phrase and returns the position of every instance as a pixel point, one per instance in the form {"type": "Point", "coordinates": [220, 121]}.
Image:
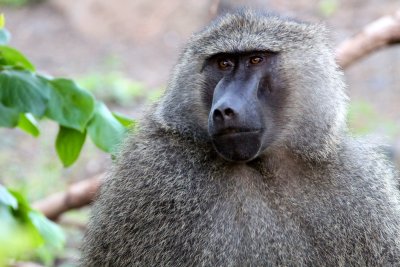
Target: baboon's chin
{"type": "Point", "coordinates": [238, 147]}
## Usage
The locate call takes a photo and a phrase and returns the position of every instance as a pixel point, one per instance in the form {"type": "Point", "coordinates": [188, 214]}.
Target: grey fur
{"type": "Point", "coordinates": [315, 197]}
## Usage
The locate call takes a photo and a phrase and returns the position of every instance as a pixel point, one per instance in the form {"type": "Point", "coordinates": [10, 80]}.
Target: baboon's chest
{"type": "Point", "coordinates": [253, 223]}
{"type": "Point", "coordinates": [261, 220]}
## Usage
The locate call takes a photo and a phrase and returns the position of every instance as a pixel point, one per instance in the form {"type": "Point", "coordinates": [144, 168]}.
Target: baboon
{"type": "Point", "coordinates": [247, 161]}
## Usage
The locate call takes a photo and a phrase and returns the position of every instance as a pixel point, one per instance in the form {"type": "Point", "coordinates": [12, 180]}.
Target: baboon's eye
{"type": "Point", "coordinates": [256, 60]}
{"type": "Point", "coordinates": [224, 64]}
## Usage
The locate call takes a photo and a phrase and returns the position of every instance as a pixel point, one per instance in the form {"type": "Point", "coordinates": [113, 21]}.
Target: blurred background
{"type": "Point", "coordinates": [123, 51]}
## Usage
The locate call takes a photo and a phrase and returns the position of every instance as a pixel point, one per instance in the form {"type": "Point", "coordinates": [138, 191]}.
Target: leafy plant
{"type": "Point", "coordinates": [26, 96]}
{"type": "Point", "coordinates": [24, 232]}
{"type": "Point", "coordinates": [4, 34]}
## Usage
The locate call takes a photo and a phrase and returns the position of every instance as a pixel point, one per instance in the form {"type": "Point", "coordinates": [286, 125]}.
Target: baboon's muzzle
{"type": "Point", "coordinates": [235, 124]}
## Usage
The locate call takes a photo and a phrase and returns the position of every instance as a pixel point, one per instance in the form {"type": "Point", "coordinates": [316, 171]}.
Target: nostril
{"type": "Point", "coordinates": [217, 115]}
{"type": "Point", "coordinates": [223, 114]}
{"type": "Point", "coordinates": [229, 112]}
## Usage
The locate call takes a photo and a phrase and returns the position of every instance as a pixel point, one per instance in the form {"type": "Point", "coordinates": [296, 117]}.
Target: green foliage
{"type": "Point", "coordinates": [70, 105]}
{"type": "Point", "coordinates": [105, 138]}
{"type": "Point", "coordinates": [124, 120]}
{"type": "Point", "coordinates": [7, 199]}
{"type": "Point", "coordinates": [26, 96]}
{"type": "Point", "coordinates": [69, 144]}
{"type": "Point", "coordinates": [4, 36]}
{"type": "Point", "coordinates": [2, 21]}
{"type": "Point", "coordinates": [29, 124]}
{"type": "Point", "coordinates": [9, 116]}
{"type": "Point", "coordinates": [25, 232]}
{"type": "Point", "coordinates": [13, 58]}
{"type": "Point", "coordinates": [24, 91]}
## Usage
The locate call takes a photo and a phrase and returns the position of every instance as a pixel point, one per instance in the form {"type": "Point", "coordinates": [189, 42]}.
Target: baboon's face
{"type": "Point", "coordinates": [244, 95]}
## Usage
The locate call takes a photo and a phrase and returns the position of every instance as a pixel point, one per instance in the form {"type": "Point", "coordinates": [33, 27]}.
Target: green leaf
{"type": "Point", "coordinates": [19, 237]}
{"type": "Point", "coordinates": [8, 116]}
{"type": "Point", "coordinates": [50, 232]}
{"type": "Point", "coordinates": [24, 91]}
{"type": "Point", "coordinates": [104, 129]}
{"type": "Point", "coordinates": [7, 218]}
{"type": "Point", "coordinates": [23, 206]}
{"type": "Point", "coordinates": [29, 124]}
{"type": "Point", "coordinates": [5, 36]}
{"type": "Point", "coordinates": [69, 144]}
{"type": "Point", "coordinates": [17, 240]}
{"type": "Point", "coordinates": [124, 120]}
{"type": "Point", "coordinates": [12, 57]}
{"type": "Point", "coordinates": [7, 198]}
{"type": "Point", "coordinates": [2, 21]}
{"type": "Point", "coordinates": [70, 105]}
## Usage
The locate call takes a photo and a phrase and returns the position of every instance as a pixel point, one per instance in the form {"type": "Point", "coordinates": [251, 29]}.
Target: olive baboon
{"type": "Point", "coordinates": [246, 161]}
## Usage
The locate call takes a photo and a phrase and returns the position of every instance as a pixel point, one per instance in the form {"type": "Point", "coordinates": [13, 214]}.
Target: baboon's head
{"type": "Point", "coordinates": [253, 83]}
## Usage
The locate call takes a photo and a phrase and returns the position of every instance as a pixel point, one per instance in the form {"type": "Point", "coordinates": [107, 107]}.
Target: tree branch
{"type": "Point", "coordinates": [76, 196]}
{"type": "Point", "coordinates": [376, 35]}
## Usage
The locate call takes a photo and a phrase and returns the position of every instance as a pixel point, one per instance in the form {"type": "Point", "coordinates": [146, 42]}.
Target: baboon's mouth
{"type": "Point", "coordinates": [236, 131]}
{"type": "Point", "coordinates": [238, 144]}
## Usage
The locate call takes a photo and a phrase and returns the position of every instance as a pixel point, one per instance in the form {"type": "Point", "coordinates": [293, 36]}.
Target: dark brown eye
{"type": "Point", "coordinates": [256, 60]}
{"type": "Point", "coordinates": [224, 64]}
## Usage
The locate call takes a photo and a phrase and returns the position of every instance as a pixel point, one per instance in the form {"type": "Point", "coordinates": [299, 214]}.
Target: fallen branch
{"type": "Point", "coordinates": [77, 195]}
{"type": "Point", "coordinates": [376, 35]}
